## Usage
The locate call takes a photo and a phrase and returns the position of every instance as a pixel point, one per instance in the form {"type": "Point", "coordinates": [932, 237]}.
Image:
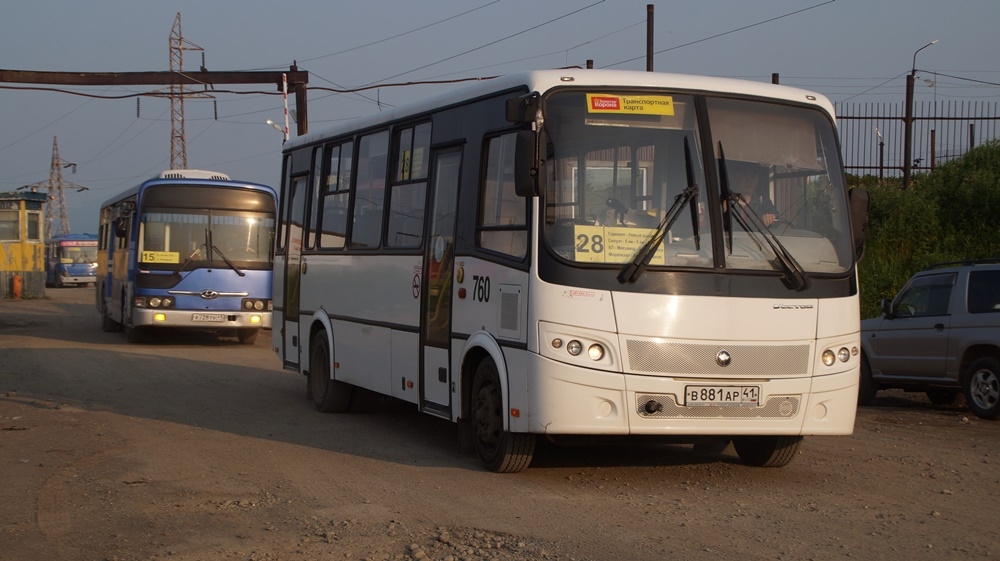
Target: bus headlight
{"type": "Point", "coordinates": [154, 302]}
{"type": "Point", "coordinates": [829, 357]}
{"type": "Point", "coordinates": [574, 347]}
{"type": "Point", "coordinates": [843, 354]}
{"type": "Point", "coordinates": [596, 352]}
{"type": "Point", "coordinates": [259, 305]}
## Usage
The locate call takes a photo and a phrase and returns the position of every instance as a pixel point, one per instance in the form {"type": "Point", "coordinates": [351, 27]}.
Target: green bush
{"type": "Point", "coordinates": [946, 215]}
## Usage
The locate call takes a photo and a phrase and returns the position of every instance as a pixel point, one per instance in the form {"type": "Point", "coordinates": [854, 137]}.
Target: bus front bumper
{"type": "Point", "coordinates": [570, 400]}
{"type": "Point", "coordinates": [208, 319]}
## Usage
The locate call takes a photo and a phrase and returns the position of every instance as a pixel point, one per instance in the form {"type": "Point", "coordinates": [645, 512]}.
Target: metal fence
{"type": "Point", "coordinates": [872, 134]}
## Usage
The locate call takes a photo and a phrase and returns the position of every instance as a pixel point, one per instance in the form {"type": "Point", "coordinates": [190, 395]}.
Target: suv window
{"type": "Point", "coordinates": [925, 296]}
{"type": "Point", "coordinates": [984, 292]}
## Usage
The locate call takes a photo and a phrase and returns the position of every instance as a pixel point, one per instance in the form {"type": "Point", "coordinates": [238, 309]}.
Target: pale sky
{"type": "Point", "coordinates": [854, 51]}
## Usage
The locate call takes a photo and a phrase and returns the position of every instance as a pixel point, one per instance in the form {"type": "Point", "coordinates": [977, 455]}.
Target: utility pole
{"type": "Point", "coordinates": [649, 37]}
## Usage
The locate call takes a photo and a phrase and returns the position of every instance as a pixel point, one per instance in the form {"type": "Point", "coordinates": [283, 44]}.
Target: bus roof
{"type": "Point", "coordinates": [544, 80]}
{"type": "Point", "coordinates": [167, 177]}
{"type": "Point", "coordinates": [74, 237]}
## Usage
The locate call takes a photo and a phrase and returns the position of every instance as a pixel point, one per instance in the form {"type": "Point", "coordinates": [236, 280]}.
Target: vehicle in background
{"type": "Point", "coordinates": [187, 249]}
{"type": "Point", "coordinates": [565, 253]}
{"type": "Point", "coordinates": [939, 335]}
{"type": "Point", "coordinates": [71, 259]}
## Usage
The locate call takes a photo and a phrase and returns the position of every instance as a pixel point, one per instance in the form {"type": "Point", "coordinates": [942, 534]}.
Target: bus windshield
{"type": "Point", "coordinates": [78, 254]}
{"type": "Point", "coordinates": [171, 237]}
{"type": "Point", "coordinates": [619, 162]}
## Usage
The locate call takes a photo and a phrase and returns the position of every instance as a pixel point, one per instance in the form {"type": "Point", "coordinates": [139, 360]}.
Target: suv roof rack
{"type": "Point", "coordinates": [965, 263]}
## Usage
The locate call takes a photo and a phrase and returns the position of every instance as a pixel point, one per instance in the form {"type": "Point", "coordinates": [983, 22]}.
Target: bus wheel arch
{"type": "Point", "coordinates": [484, 405]}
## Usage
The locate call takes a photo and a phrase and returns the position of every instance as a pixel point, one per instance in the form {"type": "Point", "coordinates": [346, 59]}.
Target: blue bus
{"type": "Point", "coordinates": [71, 259]}
{"type": "Point", "coordinates": [187, 249]}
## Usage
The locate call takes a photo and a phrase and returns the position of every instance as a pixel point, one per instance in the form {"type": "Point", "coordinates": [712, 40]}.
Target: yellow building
{"type": "Point", "coordinates": [22, 247]}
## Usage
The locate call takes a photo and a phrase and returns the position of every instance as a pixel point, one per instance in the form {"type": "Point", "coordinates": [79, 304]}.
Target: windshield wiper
{"type": "Point", "coordinates": [631, 271]}
{"type": "Point", "coordinates": [190, 258]}
{"type": "Point", "coordinates": [228, 262]}
{"type": "Point", "coordinates": [795, 276]}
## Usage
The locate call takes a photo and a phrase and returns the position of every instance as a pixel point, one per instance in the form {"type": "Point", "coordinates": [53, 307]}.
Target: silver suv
{"type": "Point", "coordinates": [940, 335]}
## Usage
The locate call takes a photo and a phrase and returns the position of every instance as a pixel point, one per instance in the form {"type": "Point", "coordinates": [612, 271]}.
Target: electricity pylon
{"type": "Point", "coordinates": [178, 149]}
{"type": "Point", "coordinates": [56, 217]}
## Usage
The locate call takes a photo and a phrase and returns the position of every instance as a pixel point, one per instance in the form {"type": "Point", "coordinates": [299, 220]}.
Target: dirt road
{"type": "Point", "coordinates": [198, 448]}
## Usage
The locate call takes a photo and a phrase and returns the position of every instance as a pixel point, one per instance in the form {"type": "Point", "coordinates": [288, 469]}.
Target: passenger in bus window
{"type": "Point", "coordinates": [747, 180]}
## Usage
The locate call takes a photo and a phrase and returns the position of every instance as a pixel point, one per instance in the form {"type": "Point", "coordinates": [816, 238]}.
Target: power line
{"type": "Point", "coordinates": [401, 34]}
{"type": "Point", "coordinates": [488, 44]}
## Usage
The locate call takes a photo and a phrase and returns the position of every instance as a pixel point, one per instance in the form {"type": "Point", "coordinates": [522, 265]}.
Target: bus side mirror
{"type": "Point", "coordinates": [860, 202]}
{"type": "Point", "coordinates": [522, 109]}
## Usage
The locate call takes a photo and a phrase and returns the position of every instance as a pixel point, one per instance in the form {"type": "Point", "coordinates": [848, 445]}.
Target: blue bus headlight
{"type": "Point", "coordinates": [259, 305]}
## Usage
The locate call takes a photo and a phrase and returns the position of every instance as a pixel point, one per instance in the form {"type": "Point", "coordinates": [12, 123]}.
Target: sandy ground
{"type": "Point", "coordinates": [197, 448]}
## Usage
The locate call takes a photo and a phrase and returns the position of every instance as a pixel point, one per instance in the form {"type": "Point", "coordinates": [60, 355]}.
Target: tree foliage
{"type": "Point", "coordinates": [946, 215]}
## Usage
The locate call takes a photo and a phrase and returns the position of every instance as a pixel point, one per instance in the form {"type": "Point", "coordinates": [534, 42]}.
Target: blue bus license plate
{"type": "Point", "coordinates": [208, 317]}
{"type": "Point", "coordinates": [722, 395]}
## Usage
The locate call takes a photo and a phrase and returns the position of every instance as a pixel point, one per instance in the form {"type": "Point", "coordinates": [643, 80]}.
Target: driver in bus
{"type": "Point", "coordinates": [747, 180]}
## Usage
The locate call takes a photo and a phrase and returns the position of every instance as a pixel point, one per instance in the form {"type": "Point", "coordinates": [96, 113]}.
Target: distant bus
{"type": "Point", "coordinates": [71, 259]}
{"type": "Point", "coordinates": [570, 253]}
{"type": "Point", "coordinates": [187, 249]}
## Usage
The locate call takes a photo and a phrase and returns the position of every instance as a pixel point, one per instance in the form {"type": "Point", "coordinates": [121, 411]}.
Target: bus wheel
{"type": "Point", "coordinates": [247, 336]}
{"type": "Point", "coordinates": [328, 395]}
{"type": "Point", "coordinates": [108, 325]}
{"type": "Point", "coordinates": [132, 334]}
{"type": "Point", "coordinates": [500, 450]}
{"type": "Point", "coordinates": [767, 451]}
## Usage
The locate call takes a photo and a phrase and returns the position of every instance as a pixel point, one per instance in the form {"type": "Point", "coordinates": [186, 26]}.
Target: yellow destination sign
{"type": "Point", "coordinates": [159, 257]}
{"type": "Point", "coordinates": [634, 104]}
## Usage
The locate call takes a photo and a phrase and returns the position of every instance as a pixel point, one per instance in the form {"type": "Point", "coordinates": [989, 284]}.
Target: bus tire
{"type": "Point", "coordinates": [327, 394]}
{"type": "Point", "coordinates": [247, 336]}
{"type": "Point", "coordinates": [499, 450]}
{"type": "Point", "coordinates": [866, 384]}
{"type": "Point", "coordinates": [108, 325]}
{"type": "Point", "coordinates": [767, 451]}
{"type": "Point", "coordinates": [132, 334]}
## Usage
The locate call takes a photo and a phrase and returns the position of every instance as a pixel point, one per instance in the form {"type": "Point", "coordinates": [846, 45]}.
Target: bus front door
{"type": "Point", "coordinates": [438, 270]}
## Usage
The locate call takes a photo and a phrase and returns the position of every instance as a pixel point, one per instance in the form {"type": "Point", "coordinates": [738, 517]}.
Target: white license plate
{"type": "Point", "coordinates": [722, 395]}
{"type": "Point", "coordinates": [208, 317]}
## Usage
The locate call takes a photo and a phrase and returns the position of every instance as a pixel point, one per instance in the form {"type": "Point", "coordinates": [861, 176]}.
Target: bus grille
{"type": "Point", "coordinates": [686, 359]}
{"type": "Point", "coordinates": [776, 407]}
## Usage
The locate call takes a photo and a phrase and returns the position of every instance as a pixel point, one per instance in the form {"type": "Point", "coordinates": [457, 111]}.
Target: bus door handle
{"type": "Point", "coordinates": [305, 266]}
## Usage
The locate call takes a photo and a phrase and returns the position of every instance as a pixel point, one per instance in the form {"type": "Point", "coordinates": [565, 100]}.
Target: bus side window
{"type": "Point", "coordinates": [503, 224]}
{"type": "Point", "coordinates": [369, 192]}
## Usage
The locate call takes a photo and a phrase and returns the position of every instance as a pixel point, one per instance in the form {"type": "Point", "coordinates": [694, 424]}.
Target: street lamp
{"type": "Point", "coordinates": [908, 131]}
{"type": "Point", "coordinates": [278, 128]}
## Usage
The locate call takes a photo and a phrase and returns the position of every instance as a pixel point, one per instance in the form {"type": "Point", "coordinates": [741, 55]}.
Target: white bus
{"type": "Point", "coordinates": [567, 252]}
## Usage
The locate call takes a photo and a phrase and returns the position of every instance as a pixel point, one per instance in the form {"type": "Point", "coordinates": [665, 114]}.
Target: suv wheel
{"type": "Point", "coordinates": [982, 387]}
